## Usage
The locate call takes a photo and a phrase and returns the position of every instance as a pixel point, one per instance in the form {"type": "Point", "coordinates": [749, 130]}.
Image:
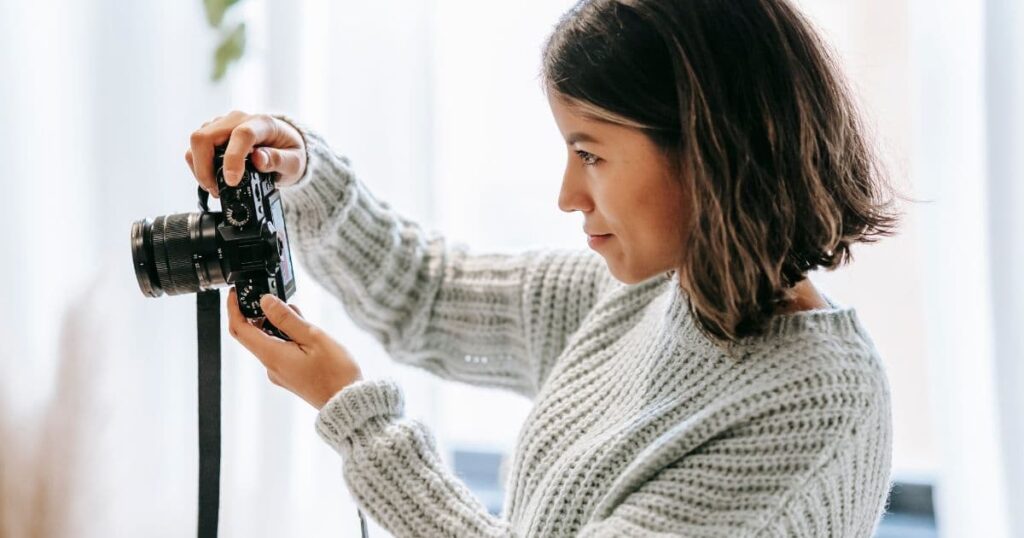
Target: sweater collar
{"type": "Point", "coordinates": [838, 319]}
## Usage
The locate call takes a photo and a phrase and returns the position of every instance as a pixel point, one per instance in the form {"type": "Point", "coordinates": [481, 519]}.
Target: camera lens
{"type": "Point", "coordinates": [176, 254]}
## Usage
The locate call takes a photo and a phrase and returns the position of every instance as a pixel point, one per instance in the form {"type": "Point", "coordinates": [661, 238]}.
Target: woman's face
{"type": "Point", "coordinates": [624, 186]}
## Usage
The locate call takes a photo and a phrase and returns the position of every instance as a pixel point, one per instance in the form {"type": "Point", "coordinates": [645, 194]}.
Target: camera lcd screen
{"type": "Point", "coordinates": [277, 213]}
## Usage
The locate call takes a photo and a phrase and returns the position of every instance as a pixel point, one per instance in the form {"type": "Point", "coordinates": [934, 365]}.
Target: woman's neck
{"type": "Point", "coordinates": [807, 298]}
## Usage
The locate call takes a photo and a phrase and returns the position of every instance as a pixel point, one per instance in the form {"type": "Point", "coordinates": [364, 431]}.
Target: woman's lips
{"type": "Point", "coordinates": [596, 241]}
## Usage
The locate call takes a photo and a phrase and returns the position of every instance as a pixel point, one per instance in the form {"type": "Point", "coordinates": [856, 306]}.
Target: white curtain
{"type": "Point", "coordinates": [969, 68]}
{"type": "Point", "coordinates": [1004, 98]}
{"type": "Point", "coordinates": [97, 407]}
{"type": "Point", "coordinates": [437, 104]}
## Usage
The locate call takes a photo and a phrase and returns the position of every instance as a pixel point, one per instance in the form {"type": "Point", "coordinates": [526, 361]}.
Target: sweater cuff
{"type": "Point", "coordinates": [362, 408]}
{"type": "Point", "coordinates": [327, 182]}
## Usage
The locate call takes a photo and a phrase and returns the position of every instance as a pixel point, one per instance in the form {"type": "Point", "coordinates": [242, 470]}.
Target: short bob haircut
{"type": "Point", "coordinates": [749, 104]}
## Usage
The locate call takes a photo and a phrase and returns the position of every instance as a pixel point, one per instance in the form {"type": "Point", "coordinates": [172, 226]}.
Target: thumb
{"type": "Point", "coordinates": [285, 318]}
{"type": "Point", "coordinates": [286, 162]}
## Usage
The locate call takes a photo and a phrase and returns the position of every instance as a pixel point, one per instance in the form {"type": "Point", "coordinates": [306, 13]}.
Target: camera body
{"type": "Point", "coordinates": [253, 238]}
{"type": "Point", "coordinates": [245, 245]}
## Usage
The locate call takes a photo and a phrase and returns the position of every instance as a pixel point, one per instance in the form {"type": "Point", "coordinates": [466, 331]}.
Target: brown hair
{"type": "Point", "coordinates": [752, 106]}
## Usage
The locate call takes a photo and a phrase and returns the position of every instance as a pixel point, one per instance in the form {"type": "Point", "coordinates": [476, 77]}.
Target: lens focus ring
{"type": "Point", "coordinates": [160, 254]}
{"type": "Point", "coordinates": [179, 254]}
{"type": "Point", "coordinates": [172, 248]}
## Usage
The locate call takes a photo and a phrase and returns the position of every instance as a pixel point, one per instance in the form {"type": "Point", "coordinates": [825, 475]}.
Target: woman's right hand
{"type": "Point", "coordinates": [279, 148]}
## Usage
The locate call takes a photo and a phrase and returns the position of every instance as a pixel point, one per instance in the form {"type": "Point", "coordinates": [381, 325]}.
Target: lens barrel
{"type": "Point", "coordinates": [176, 254]}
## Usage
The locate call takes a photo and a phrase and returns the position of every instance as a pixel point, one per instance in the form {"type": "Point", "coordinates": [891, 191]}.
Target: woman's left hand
{"type": "Point", "coordinates": [312, 365]}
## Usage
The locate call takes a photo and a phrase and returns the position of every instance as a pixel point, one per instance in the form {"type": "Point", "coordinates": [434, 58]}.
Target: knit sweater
{"type": "Point", "coordinates": [640, 425]}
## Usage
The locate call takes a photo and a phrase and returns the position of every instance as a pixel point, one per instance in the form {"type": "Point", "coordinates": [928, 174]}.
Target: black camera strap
{"type": "Point", "coordinates": [208, 330]}
{"type": "Point", "coordinates": [208, 325]}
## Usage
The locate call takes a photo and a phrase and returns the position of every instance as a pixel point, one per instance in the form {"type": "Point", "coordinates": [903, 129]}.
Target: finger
{"type": "Point", "coordinates": [266, 348]}
{"type": "Point", "coordinates": [205, 123]}
{"type": "Point", "coordinates": [287, 162]}
{"type": "Point", "coordinates": [204, 140]}
{"type": "Point", "coordinates": [287, 320]}
{"type": "Point", "coordinates": [202, 143]}
{"type": "Point", "coordinates": [191, 166]}
{"type": "Point", "coordinates": [188, 159]}
{"type": "Point", "coordinates": [297, 309]}
{"type": "Point", "coordinates": [244, 137]}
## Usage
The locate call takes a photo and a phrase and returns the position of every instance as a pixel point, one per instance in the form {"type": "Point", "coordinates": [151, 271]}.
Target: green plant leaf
{"type": "Point", "coordinates": [229, 50]}
{"type": "Point", "coordinates": [215, 10]}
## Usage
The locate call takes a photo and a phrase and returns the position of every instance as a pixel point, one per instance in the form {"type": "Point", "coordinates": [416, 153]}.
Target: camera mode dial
{"type": "Point", "coordinates": [237, 214]}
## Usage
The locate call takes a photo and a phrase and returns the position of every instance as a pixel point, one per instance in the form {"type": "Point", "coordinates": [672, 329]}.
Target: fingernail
{"type": "Point", "coordinates": [267, 299]}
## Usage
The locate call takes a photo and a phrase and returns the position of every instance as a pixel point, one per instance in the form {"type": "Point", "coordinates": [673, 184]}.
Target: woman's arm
{"type": "Point", "coordinates": [484, 318]}
{"type": "Point", "coordinates": [393, 470]}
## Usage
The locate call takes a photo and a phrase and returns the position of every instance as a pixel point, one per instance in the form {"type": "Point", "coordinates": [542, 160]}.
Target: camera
{"type": "Point", "coordinates": [245, 245]}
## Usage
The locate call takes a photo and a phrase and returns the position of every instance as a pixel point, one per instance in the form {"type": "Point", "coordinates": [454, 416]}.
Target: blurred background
{"type": "Point", "coordinates": [438, 105]}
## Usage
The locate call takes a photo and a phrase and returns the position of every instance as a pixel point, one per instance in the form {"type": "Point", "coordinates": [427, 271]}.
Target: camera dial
{"type": "Point", "coordinates": [237, 214]}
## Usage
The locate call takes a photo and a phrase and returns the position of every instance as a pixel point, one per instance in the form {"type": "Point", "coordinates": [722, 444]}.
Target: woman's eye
{"type": "Point", "coordinates": [589, 159]}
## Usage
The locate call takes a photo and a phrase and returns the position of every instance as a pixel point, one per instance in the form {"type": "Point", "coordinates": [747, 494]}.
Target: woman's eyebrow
{"type": "Point", "coordinates": [579, 137]}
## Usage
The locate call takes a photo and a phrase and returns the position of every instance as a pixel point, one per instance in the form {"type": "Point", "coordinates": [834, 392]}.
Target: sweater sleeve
{"type": "Point", "coordinates": [393, 470]}
{"type": "Point", "coordinates": [489, 319]}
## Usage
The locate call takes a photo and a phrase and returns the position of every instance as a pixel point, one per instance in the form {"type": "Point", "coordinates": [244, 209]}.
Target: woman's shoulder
{"type": "Point", "coordinates": [822, 358]}
{"type": "Point", "coordinates": [833, 371]}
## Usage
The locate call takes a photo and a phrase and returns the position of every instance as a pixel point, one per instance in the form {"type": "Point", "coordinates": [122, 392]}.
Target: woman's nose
{"type": "Point", "coordinates": [572, 197]}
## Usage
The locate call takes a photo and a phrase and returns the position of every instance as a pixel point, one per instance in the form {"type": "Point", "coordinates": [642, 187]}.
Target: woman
{"type": "Point", "coordinates": [687, 378]}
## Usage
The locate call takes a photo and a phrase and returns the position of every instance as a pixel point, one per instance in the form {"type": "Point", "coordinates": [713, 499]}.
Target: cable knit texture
{"type": "Point", "coordinates": [640, 425]}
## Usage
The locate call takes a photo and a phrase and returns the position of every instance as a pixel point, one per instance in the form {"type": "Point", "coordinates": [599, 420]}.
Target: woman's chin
{"type": "Point", "coordinates": [625, 276]}
{"type": "Point", "coordinates": [630, 277]}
